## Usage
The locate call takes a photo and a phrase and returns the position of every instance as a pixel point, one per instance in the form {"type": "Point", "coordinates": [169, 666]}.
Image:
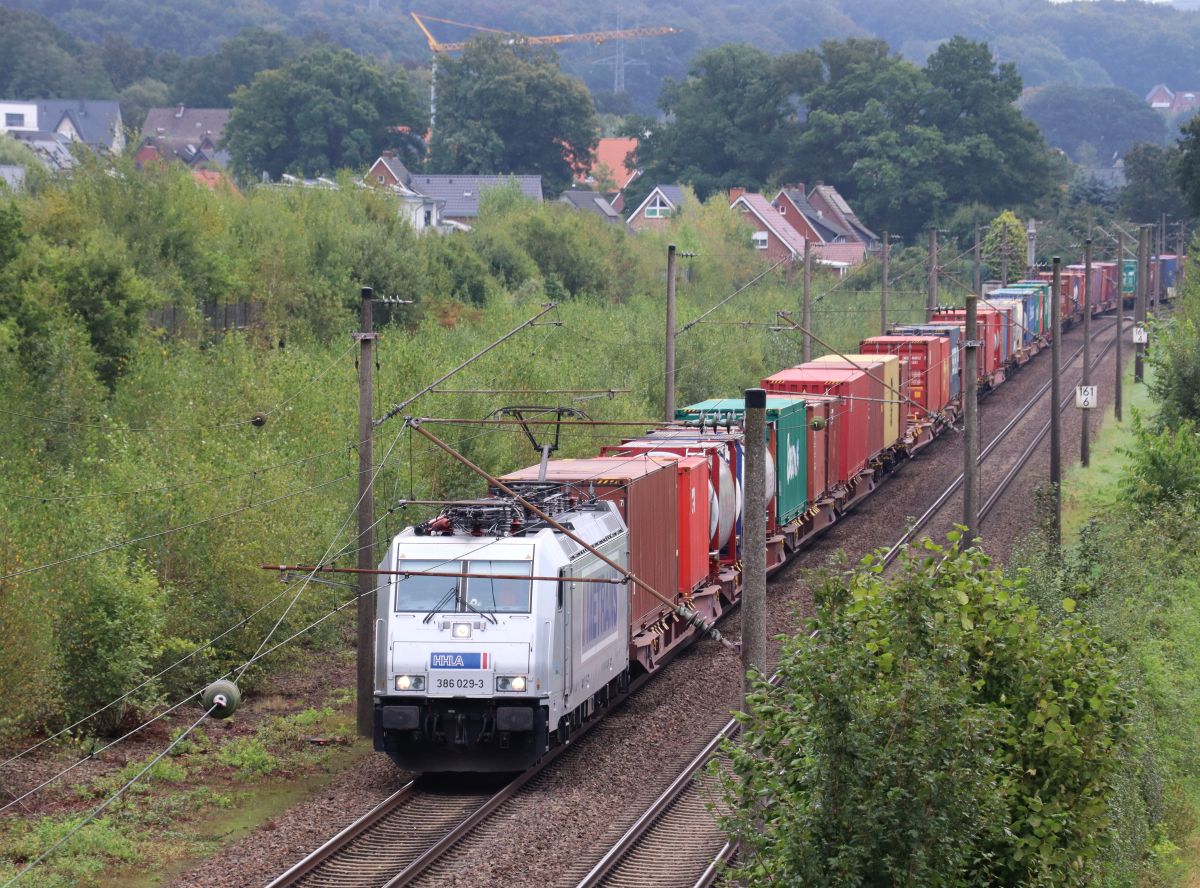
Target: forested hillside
{"type": "Point", "coordinates": [1128, 44]}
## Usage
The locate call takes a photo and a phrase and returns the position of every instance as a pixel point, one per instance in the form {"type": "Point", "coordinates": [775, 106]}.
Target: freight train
{"type": "Point", "coordinates": [498, 636]}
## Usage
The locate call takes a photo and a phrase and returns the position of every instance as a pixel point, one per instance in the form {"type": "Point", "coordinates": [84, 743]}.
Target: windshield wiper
{"type": "Point", "coordinates": [437, 607]}
{"type": "Point", "coordinates": [481, 613]}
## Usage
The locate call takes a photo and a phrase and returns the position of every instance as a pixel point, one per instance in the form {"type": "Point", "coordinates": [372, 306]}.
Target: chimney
{"type": "Point", "coordinates": [179, 113]}
{"type": "Point", "coordinates": [735, 193]}
{"type": "Point", "coordinates": [389, 153]}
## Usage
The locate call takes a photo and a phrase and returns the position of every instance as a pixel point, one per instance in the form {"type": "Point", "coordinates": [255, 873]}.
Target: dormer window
{"type": "Point", "coordinates": [658, 208]}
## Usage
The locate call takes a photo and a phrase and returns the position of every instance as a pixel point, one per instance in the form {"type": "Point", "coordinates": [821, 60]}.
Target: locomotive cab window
{"type": "Point", "coordinates": [428, 593]}
{"type": "Point", "coordinates": [507, 589]}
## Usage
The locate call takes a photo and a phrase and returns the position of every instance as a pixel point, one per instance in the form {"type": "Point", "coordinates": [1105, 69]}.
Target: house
{"type": "Point", "coordinates": [590, 202]}
{"type": "Point", "coordinates": [775, 237]}
{"type": "Point", "coordinates": [830, 204]}
{"type": "Point", "coordinates": [610, 163]}
{"type": "Point", "coordinates": [1160, 98]}
{"type": "Point", "coordinates": [12, 177]}
{"type": "Point", "coordinates": [52, 149]}
{"type": "Point", "coordinates": [1171, 103]}
{"type": "Point", "coordinates": [94, 122]}
{"type": "Point", "coordinates": [214, 180]}
{"type": "Point", "coordinates": [388, 170]}
{"type": "Point", "coordinates": [832, 241]}
{"type": "Point", "coordinates": [660, 204]}
{"type": "Point", "coordinates": [459, 194]}
{"type": "Point", "coordinates": [192, 135]}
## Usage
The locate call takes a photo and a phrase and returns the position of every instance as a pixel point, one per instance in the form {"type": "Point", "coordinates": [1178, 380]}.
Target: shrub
{"type": "Point", "coordinates": [1164, 466]}
{"type": "Point", "coordinates": [932, 730]}
{"type": "Point", "coordinates": [249, 756]}
{"type": "Point", "coordinates": [108, 637]}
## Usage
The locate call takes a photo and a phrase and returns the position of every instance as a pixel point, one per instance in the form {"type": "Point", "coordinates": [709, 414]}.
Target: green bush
{"type": "Point", "coordinates": [249, 756]}
{"type": "Point", "coordinates": [931, 730]}
{"type": "Point", "coordinates": [112, 616]}
{"type": "Point", "coordinates": [1164, 465]}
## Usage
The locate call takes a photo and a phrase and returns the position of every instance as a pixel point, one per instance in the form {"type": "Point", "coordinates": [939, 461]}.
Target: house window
{"type": "Point", "coordinates": [380, 178]}
{"type": "Point", "coordinates": [783, 209]}
{"type": "Point", "coordinates": [428, 218]}
{"type": "Point", "coordinates": [658, 208]}
{"type": "Point", "coordinates": [760, 240]}
{"type": "Point", "coordinates": [14, 120]}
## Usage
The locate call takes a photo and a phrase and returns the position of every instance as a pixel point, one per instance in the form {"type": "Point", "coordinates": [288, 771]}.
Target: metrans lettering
{"type": "Point", "coordinates": [458, 661]}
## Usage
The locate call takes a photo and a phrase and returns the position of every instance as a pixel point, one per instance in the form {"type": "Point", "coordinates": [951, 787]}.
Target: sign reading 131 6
{"type": "Point", "coordinates": [1085, 397]}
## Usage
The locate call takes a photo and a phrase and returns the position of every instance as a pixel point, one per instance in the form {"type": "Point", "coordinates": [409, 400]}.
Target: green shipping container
{"type": "Point", "coordinates": [787, 430]}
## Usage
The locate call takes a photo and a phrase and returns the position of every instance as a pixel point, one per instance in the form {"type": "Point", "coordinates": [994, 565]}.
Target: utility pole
{"type": "Point", "coordinates": [1118, 392]}
{"type": "Point", "coordinates": [1160, 291]}
{"type": "Point", "coordinates": [669, 373]}
{"type": "Point", "coordinates": [978, 263]}
{"type": "Point", "coordinates": [754, 526]}
{"type": "Point", "coordinates": [1139, 308]}
{"type": "Point", "coordinates": [1056, 399]}
{"type": "Point", "coordinates": [365, 685]}
{"type": "Point", "coordinates": [806, 304]}
{"type": "Point", "coordinates": [931, 308]}
{"type": "Point", "coordinates": [1085, 445]}
{"type": "Point", "coordinates": [1030, 248]}
{"type": "Point", "coordinates": [1004, 255]}
{"type": "Point", "coordinates": [971, 420]}
{"type": "Point", "coordinates": [883, 294]}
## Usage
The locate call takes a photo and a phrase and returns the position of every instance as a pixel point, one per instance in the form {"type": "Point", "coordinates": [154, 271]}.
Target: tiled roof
{"type": "Point", "coordinates": [590, 201]}
{"type": "Point", "coordinates": [769, 216]}
{"type": "Point", "coordinates": [828, 229]}
{"type": "Point", "coordinates": [185, 126]}
{"type": "Point", "coordinates": [96, 120]}
{"type": "Point", "coordinates": [461, 192]}
{"type": "Point", "coordinates": [611, 153]}
{"type": "Point", "coordinates": [838, 204]}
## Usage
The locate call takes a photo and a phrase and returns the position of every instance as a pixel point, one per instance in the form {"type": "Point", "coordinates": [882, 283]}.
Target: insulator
{"type": "Point", "coordinates": [222, 697]}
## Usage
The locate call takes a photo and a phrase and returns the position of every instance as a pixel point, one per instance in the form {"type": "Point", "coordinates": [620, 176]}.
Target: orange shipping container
{"type": "Point", "coordinates": [693, 522]}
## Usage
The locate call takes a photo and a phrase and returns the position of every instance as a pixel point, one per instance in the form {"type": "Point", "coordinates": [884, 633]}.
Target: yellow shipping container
{"type": "Point", "coordinates": [890, 375]}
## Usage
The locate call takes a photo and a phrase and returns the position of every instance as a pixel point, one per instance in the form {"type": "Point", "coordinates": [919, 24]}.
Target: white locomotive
{"type": "Point", "coordinates": [496, 637]}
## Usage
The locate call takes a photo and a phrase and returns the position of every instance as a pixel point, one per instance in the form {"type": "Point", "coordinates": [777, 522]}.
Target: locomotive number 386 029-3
{"type": "Point", "coordinates": [462, 684]}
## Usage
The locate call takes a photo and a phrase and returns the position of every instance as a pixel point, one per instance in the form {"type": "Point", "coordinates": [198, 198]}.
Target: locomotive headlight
{"type": "Point", "coordinates": [515, 683]}
{"type": "Point", "coordinates": [518, 683]}
{"type": "Point", "coordinates": [461, 630]}
{"type": "Point", "coordinates": [410, 682]}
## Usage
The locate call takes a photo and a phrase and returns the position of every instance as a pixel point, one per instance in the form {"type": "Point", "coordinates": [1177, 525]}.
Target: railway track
{"type": "Point", "coordinates": [419, 834]}
{"type": "Point", "coordinates": [679, 822]}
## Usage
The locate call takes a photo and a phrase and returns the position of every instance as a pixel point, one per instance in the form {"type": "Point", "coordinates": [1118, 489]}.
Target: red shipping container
{"type": "Point", "coordinates": [991, 332]}
{"type": "Point", "coordinates": [823, 447]}
{"type": "Point", "coordinates": [928, 359]}
{"type": "Point", "coordinates": [877, 400]}
{"type": "Point", "coordinates": [856, 446]}
{"type": "Point", "coordinates": [693, 522]}
{"type": "Point", "coordinates": [646, 493]}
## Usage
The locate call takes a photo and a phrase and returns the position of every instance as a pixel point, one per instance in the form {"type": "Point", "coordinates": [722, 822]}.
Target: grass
{"type": "Point", "coordinates": [205, 794]}
{"type": "Point", "coordinates": [1092, 492]}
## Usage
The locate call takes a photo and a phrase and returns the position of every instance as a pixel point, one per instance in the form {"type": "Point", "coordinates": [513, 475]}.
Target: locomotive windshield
{"type": "Point", "coordinates": [429, 593]}
{"type": "Point", "coordinates": [490, 587]}
{"type": "Point", "coordinates": [498, 593]}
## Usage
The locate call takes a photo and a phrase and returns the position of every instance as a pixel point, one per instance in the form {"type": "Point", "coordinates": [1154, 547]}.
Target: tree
{"type": "Point", "coordinates": [507, 108]}
{"type": "Point", "coordinates": [139, 97]}
{"type": "Point", "coordinates": [730, 122]}
{"type": "Point", "coordinates": [1152, 183]}
{"type": "Point", "coordinates": [935, 729]}
{"type": "Point", "coordinates": [37, 60]}
{"type": "Point", "coordinates": [1186, 166]}
{"type": "Point", "coordinates": [326, 110]}
{"type": "Point", "coordinates": [908, 145]}
{"type": "Point", "coordinates": [209, 81]}
{"type": "Point", "coordinates": [1004, 245]}
{"type": "Point", "coordinates": [1110, 120]}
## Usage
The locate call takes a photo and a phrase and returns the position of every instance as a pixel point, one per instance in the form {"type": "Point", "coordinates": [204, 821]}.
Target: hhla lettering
{"type": "Point", "coordinates": [448, 660]}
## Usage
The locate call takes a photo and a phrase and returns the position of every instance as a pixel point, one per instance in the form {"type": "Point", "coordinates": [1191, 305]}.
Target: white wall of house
{"type": "Point", "coordinates": [18, 116]}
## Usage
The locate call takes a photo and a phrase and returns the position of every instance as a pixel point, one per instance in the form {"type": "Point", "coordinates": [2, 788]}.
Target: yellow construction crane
{"type": "Point", "coordinates": [437, 47]}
